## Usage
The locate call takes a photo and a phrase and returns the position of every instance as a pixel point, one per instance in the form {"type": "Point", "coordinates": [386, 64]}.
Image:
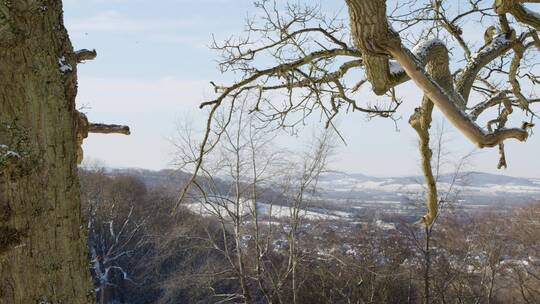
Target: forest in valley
{"type": "Point", "coordinates": [140, 254]}
{"type": "Point", "coordinates": [256, 227]}
{"type": "Point", "coordinates": [323, 152]}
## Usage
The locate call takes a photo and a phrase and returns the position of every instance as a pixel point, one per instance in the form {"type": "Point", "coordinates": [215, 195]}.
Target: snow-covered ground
{"type": "Point", "coordinates": [245, 208]}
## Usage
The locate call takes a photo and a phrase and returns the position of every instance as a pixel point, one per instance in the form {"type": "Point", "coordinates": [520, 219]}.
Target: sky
{"type": "Point", "coordinates": [154, 67]}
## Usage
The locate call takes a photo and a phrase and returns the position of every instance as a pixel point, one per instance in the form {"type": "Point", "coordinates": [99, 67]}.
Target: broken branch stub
{"type": "Point", "coordinates": [84, 127]}
{"type": "Point", "coordinates": [84, 55]}
{"type": "Point", "coordinates": [108, 129]}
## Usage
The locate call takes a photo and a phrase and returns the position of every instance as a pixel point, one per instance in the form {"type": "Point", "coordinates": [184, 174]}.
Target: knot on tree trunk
{"type": "Point", "coordinates": [9, 238]}
{"type": "Point", "coordinates": [416, 119]}
{"type": "Point", "coordinates": [81, 133]}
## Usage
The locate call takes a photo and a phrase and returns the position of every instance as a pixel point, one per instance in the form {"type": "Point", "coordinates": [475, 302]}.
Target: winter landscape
{"type": "Point", "coordinates": [269, 152]}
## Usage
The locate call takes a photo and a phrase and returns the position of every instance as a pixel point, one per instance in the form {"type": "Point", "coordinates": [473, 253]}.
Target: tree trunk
{"type": "Point", "coordinates": [43, 255]}
{"type": "Point", "coordinates": [427, 266]}
{"type": "Point", "coordinates": [371, 35]}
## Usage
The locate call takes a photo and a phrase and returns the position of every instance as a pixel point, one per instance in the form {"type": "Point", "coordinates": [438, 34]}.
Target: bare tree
{"type": "Point", "coordinates": [315, 66]}
{"type": "Point", "coordinates": [116, 231]}
{"type": "Point", "coordinates": [448, 176]}
{"type": "Point", "coordinates": [230, 201]}
{"type": "Point", "coordinates": [525, 268]}
{"type": "Point", "coordinates": [258, 194]}
{"type": "Point", "coordinates": [315, 55]}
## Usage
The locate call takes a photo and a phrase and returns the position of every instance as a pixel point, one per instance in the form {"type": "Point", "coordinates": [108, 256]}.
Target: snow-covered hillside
{"type": "Point", "coordinates": [472, 187]}
{"type": "Point", "coordinates": [349, 197]}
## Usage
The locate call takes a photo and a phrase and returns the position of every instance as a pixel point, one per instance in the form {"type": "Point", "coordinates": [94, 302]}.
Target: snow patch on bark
{"type": "Point", "coordinates": [63, 66]}
{"type": "Point", "coordinates": [12, 154]}
{"type": "Point", "coordinates": [420, 50]}
{"type": "Point", "coordinates": [497, 42]}
{"type": "Point", "coordinates": [6, 153]}
{"type": "Point", "coordinates": [420, 53]}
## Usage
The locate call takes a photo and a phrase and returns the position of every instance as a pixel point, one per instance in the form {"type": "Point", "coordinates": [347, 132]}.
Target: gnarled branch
{"type": "Point", "coordinates": [465, 79]}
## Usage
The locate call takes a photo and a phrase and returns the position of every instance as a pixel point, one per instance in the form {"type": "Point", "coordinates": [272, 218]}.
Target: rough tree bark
{"type": "Point", "coordinates": [43, 254]}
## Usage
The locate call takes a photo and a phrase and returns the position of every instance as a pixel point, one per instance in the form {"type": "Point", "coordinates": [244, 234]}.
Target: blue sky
{"type": "Point", "coordinates": [154, 66]}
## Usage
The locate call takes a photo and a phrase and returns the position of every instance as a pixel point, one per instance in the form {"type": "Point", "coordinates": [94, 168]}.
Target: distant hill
{"type": "Point", "coordinates": [168, 179]}
{"type": "Point", "coordinates": [473, 187]}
